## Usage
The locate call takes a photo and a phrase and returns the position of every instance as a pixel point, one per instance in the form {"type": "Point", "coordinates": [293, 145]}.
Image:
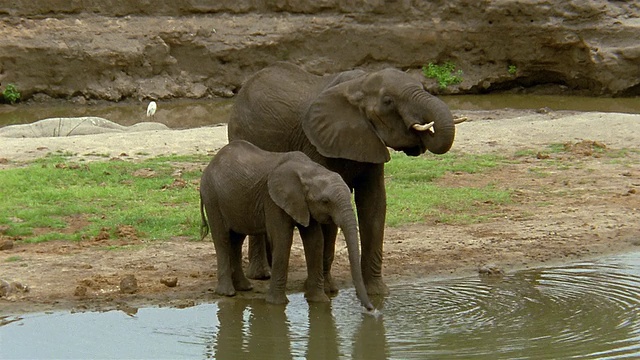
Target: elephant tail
{"type": "Point", "coordinates": [204, 226]}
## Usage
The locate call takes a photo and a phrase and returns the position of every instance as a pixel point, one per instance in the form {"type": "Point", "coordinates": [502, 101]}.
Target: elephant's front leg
{"type": "Point", "coordinates": [329, 232]}
{"type": "Point", "coordinates": [371, 204]}
{"type": "Point", "coordinates": [312, 240]}
{"type": "Point", "coordinates": [280, 232]}
{"type": "Point", "coordinates": [259, 268]}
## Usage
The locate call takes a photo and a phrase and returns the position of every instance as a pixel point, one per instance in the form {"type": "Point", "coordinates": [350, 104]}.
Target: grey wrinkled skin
{"type": "Point", "coordinates": [345, 122]}
{"type": "Point", "coordinates": [248, 191]}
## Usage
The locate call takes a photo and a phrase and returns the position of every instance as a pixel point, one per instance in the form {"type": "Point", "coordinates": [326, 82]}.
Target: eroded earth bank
{"type": "Point", "coordinates": [84, 50]}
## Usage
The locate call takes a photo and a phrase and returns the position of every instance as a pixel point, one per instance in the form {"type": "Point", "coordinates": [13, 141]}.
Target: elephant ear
{"type": "Point", "coordinates": [337, 127]}
{"type": "Point", "coordinates": [286, 190]}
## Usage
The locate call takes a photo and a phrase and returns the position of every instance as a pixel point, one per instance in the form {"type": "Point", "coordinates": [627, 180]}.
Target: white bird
{"type": "Point", "coordinates": [151, 109]}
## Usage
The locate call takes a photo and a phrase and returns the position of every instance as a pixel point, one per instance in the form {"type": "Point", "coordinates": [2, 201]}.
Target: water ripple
{"type": "Point", "coordinates": [585, 309]}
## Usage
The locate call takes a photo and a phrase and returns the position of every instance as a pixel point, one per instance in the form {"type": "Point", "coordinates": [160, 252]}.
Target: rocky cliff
{"type": "Point", "coordinates": [92, 49]}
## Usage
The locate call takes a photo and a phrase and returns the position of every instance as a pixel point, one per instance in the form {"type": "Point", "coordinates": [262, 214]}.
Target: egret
{"type": "Point", "coordinates": [151, 109]}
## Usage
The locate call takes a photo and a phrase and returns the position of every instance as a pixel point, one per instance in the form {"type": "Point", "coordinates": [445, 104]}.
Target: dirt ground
{"type": "Point", "coordinates": [578, 200]}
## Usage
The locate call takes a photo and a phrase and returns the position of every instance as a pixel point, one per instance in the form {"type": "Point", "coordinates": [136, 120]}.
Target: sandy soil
{"type": "Point", "coordinates": [580, 202]}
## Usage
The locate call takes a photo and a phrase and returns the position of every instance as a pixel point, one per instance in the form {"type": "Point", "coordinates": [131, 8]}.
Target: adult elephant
{"type": "Point", "coordinates": [344, 122]}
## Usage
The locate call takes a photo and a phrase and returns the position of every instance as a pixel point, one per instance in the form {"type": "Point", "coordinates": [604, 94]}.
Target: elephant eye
{"type": "Point", "coordinates": [387, 101]}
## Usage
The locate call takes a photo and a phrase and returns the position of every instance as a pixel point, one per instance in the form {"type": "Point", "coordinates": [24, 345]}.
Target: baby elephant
{"type": "Point", "coordinates": [248, 191]}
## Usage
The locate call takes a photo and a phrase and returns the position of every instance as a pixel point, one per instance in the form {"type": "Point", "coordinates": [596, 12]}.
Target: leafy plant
{"type": "Point", "coordinates": [512, 69]}
{"type": "Point", "coordinates": [446, 74]}
{"type": "Point", "coordinates": [11, 94]}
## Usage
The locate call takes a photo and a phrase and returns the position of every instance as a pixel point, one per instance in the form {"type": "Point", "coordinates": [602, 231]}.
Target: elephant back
{"type": "Point", "coordinates": [268, 108]}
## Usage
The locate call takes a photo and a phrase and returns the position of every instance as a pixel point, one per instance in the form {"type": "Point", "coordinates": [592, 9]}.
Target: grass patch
{"type": "Point", "coordinates": [412, 195]}
{"type": "Point", "coordinates": [55, 198]}
{"type": "Point", "coordinates": [13, 259]}
{"type": "Point", "coordinates": [145, 195]}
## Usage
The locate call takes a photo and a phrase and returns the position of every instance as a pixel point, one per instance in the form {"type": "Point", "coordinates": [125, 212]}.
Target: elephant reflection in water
{"type": "Point", "coordinates": [265, 335]}
{"type": "Point", "coordinates": [251, 330]}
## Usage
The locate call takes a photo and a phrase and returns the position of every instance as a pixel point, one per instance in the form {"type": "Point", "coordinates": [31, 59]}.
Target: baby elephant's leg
{"type": "Point", "coordinates": [224, 269]}
{"type": "Point", "coordinates": [240, 281]}
{"type": "Point", "coordinates": [313, 249]}
{"type": "Point", "coordinates": [281, 240]}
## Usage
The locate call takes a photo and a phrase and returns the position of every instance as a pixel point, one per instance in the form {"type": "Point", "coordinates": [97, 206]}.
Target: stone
{"type": "Point", "coordinates": [169, 281]}
{"type": "Point", "coordinates": [129, 284]}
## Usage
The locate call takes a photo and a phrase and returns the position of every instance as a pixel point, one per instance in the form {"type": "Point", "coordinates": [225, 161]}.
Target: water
{"type": "Point", "coordinates": [586, 310]}
{"type": "Point", "coordinates": [176, 114]}
{"type": "Point", "coordinates": [181, 114]}
{"type": "Point", "coordinates": [554, 102]}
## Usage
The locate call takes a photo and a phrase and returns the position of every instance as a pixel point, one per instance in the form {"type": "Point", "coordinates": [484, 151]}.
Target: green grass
{"type": "Point", "coordinates": [413, 196]}
{"type": "Point", "coordinates": [13, 259]}
{"type": "Point", "coordinates": [50, 191]}
{"type": "Point", "coordinates": [55, 198]}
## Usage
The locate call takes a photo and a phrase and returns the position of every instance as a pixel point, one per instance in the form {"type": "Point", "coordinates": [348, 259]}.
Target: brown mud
{"type": "Point", "coordinates": [578, 200]}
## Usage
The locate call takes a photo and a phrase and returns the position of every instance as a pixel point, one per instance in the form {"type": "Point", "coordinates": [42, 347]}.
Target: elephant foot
{"type": "Point", "coordinates": [278, 299]}
{"type": "Point", "coordinates": [225, 290]}
{"type": "Point", "coordinates": [243, 285]}
{"type": "Point", "coordinates": [376, 286]}
{"type": "Point", "coordinates": [316, 296]}
{"type": "Point", "coordinates": [330, 286]}
{"type": "Point", "coordinates": [258, 271]}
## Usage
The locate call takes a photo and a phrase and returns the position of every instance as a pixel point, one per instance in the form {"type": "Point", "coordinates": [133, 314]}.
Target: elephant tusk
{"type": "Point", "coordinates": [460, 120]}
{"type": "Point", "coordinates": [425, 127]}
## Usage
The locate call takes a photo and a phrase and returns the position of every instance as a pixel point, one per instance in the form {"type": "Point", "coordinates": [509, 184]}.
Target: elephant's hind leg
{"type": "Point", "coordinates": [224, 268]}
{"type": "Point", "coordinates": [240, 281]}
{"type": "Point", "coordinates": [259, 268]}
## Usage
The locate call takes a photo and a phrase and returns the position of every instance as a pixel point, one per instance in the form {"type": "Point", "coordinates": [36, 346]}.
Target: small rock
{"type": "Point", "coordinates": [5, 288]}
{"type": "Point", "coordinates": [129, 285]}
{"type": "Point", "coordinates": [6, 245]}
{"type": "Point", "coordinates": [169, 281]}
{"type": "Point", "coordinates": [541, 156]}
{"type": "Point", "coordinates": [81, 291]}
{"type": "Point", "coordinates": [490, 270]}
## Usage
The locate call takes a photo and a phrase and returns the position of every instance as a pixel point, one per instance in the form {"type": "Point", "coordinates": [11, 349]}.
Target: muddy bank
{"type": "Point", "coordinates": [581, 201]}
{"type": "Point", "coordinates": [185, 49]}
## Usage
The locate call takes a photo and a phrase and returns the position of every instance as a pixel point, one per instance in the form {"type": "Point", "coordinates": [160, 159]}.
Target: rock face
{"type": "Point", "coordinates": [194, 49]}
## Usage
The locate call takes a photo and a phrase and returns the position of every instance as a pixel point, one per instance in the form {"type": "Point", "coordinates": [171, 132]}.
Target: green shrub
{"type": "Point", "coordinates": [11, 94]}
{"type": "Point", "coordinates": [513, 69]}
{"type": "Point", "coordinates": [445, 74]}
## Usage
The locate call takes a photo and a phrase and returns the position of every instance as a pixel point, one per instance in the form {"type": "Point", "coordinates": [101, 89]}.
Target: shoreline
{"type": "Point", "coordinates": [579, 202]}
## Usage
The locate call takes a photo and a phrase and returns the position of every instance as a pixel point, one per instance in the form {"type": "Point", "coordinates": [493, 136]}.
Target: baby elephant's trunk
{"type": "Point", "coordinates": [350, 231]}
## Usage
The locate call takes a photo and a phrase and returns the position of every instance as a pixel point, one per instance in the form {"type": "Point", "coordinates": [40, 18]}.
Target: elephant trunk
{"type": "Point", "coordinates": [347, 223]}
{"type": "Point", "coordinates": [439, 130]}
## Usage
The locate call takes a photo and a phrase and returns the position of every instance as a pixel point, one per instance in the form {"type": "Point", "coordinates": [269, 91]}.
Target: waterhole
{"type": "Point", "coordinates": [586, 310]}
{"type": "Point", "coordinates": [183, 114]}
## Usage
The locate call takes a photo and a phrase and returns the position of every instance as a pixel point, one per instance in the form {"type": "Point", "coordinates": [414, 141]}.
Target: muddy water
{"type": "Point", "coordinates": [587, 310]}
{"type": "Point", "coordinates": [177, 114]}
{"type": "Point", "coordinates": [195, 113]}
{"type": "Point", "coordinates": [553, 102]}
